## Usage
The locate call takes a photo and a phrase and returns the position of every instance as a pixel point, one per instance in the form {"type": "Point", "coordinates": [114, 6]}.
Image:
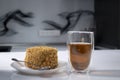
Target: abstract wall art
{"type": "Point", "coordinates": [43, 21]}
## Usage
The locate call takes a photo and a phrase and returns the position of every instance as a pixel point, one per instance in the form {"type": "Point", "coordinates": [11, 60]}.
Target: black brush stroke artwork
{"type": "Point", "coordinates": [71, 17]}
{"type": "Point", "coordinates": [17, 16]}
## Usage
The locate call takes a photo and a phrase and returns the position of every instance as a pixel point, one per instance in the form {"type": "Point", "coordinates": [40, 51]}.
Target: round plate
{"type": "Point", "coordinates": [19, 66]}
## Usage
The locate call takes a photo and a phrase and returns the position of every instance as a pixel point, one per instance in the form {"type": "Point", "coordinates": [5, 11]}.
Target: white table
{"type": "Point", "coordinates": [105, 65]}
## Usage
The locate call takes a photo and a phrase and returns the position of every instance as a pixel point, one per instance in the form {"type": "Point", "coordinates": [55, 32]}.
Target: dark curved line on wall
{"type": "Point", "coordinates": [67, 16]}
{"type": "Point", "coordinates": [17, 16]}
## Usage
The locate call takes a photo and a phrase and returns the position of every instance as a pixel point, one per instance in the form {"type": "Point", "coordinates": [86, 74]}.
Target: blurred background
{"type": "Point", "coordinates": [25, 23]}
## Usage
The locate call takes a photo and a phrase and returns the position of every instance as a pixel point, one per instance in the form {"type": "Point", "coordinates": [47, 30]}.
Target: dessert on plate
{"type": "Point", "coordinates": [41, 56]}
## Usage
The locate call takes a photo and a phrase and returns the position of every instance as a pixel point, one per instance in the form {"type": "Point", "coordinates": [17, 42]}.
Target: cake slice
{"type": "Point", "coordinates": [41, 56]}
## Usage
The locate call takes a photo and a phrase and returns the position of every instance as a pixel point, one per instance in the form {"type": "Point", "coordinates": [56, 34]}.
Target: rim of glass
{"type": "Point", "coordinates": [69, 32]}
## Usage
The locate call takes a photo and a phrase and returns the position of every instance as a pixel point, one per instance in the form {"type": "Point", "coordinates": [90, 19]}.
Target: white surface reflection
{"type": "Point", "coordinates": [92, 75]}
{"type": "Point", "coordinates": [57, 76]}
{"type": "Point", "coordinates": [105, 73]}
{"type": "Point", "coordinates": [76, 76]}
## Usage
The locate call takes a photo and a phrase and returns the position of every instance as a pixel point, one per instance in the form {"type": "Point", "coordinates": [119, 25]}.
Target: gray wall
{"type": "Point", "coordinates": [43, 10]}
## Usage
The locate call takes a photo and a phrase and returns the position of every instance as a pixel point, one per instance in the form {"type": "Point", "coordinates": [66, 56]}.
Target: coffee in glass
{"type": "Point", "coordinates": [80, 46]}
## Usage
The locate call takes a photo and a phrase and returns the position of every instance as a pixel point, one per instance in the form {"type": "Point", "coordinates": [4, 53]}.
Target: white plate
{"type": "Point", "coordinates": [19, 66]}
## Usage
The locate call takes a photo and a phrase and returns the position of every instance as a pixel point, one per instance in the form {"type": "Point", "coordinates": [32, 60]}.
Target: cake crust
{"type": "Point", "coordinates": [41, 56]}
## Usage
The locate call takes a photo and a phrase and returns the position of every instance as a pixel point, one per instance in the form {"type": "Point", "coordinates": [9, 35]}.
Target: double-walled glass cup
{"type": "Point", "coordinates": [80, 46]}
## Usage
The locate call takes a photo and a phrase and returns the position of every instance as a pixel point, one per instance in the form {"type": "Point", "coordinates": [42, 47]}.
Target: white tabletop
{"type": "Point", "coordinates": [105, 65]}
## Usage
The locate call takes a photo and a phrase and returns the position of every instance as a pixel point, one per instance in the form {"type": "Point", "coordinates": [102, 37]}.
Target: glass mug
{"type": "Point", "coordinates": [80, 46]}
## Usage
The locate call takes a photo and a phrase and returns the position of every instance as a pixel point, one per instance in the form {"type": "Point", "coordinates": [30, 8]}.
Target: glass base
{"type": "Point", "coordinates": [80, 71]}
{"type": "Point", "coordinates": [85, 71]}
